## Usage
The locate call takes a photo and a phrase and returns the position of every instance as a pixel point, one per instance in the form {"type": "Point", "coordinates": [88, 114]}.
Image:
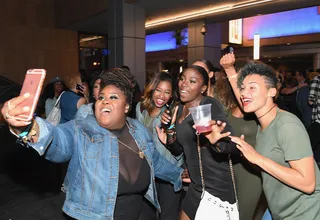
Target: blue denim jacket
{"type": "Point", "coordinates": [160, 147]}
{"type": "Point", "coordinates": [94, 164]}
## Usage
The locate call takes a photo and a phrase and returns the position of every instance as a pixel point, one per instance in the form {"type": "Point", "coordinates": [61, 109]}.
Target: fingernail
{"type": "Point", "coordinates": [26, 108]}
{"type": "Point", "coordinates": [27, 95]}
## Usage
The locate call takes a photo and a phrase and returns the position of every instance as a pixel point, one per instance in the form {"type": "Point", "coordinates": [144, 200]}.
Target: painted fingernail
{"type": "Point", "coordinates": [27, 95]}
{"type": "Point", "coordinates": [26, 108]}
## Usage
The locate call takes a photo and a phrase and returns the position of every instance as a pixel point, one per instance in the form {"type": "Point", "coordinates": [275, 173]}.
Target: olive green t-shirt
{"type": "Point", "coordinates": [284, 140]}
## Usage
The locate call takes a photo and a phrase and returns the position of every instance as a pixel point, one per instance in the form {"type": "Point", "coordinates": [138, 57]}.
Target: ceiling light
{"type": "Point", "coordinates": [207, 11]}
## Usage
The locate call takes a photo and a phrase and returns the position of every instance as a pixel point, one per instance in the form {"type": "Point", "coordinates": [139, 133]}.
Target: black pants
{"type": "Point", "coordinates": [314, 135]}
{"type": "Point", "coordinates": [169, 203]}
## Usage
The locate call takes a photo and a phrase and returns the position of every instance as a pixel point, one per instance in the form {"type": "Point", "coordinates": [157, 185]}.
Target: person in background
{"type": "Point", "coordinates": [291, 179]}
{"type": "Point", "coordinates": [157, 94]}
{"type": "Point", "coordinates": [113, 159]}
{"type": "Point", "coordinates": [289, 92]}
{"type": "Point", "coordinates": [136, 95]}
{"type": "Point", "coordinates": [70, 100]}
{"type": "Point", "coordinates": [314, 102]}
{"type": "Point", "coordinates": [303, 106]}
{"type": "Point", "coordinates": [211, 70]}
{"type": "Point", "coordinates": [52, 92]}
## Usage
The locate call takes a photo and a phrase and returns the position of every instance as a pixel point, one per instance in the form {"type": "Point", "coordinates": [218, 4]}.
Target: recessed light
{"type": "Point", "coordinates": [288, 44]}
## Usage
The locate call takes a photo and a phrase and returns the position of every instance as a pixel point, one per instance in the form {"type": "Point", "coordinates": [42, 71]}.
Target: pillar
{"type": "Point", "coordinates": [126, 38]}
{"type": "Point", "coordinates": [206, 46]}
{"type": "Point", "coordinates": [316, 61]}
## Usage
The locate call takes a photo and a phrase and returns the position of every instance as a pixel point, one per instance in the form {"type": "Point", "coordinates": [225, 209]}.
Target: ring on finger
{"type": "Point", "coordinates": [9, 105]}
{"type": "Point", "coordinates": [8, 116]}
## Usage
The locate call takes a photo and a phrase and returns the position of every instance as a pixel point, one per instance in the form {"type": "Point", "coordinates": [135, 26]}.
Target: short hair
{"type": "Point", "coordinates": [122, 79]}
{"type": "Point", "coordinates": [261, 69]}
{"type": "Point", "coordinates": [152, 85]}
{"type": "Point", "coordinates": [72, 80]}
{"type": "Point", "coordinates": [202, 72]}
{"type": "Point", "coordinates": [302, 73]}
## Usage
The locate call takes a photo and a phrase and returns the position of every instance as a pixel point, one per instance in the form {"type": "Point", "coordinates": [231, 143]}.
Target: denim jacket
{"type": "Point", "coordinates": [179, 160]}
{"type": "Point", "coordinates": [94, 164]}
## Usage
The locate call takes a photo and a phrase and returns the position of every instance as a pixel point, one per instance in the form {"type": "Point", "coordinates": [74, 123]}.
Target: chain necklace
{"type": "Point", "coordinates": [140, 153]}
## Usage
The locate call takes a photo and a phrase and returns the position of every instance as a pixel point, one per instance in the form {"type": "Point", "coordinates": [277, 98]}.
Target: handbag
{"type": "Point", "coordinates": [212, 207]}
{"type": "Point", "coordinates": [55, 114]}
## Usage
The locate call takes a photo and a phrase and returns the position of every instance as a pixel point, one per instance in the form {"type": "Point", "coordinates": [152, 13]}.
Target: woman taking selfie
{"type": "Point", "coordinates": [216, 173]}
{"type": "Point", "coordinates": [113, 160]}
{"type": "Point", "coordinates": [159, 93]}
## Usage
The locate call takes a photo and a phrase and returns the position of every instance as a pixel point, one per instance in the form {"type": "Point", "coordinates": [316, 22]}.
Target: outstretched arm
{"type": "Point", "coordinates": [227, 62]}
{"type": "Point", "coordinates": [299, 175]}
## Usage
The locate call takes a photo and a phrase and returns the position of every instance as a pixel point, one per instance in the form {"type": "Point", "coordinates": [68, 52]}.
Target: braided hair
{"type": "Point", "coordinates": [122, 78]}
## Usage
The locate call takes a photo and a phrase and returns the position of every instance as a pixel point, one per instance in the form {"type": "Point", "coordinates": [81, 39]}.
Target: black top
{"type": "Point", "coordinates": [217, 175]}
{"type": "Point", "coordinates": [134, 178]}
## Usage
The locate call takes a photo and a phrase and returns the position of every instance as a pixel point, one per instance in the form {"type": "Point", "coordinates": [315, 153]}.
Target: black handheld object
{"type": "Point", "coordinates": [79, 87]}
{"type": "Point", "coordinates": [169, 109]}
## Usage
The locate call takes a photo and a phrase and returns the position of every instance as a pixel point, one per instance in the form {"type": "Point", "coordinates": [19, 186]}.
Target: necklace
{"type": "Point", "coordinates": [140, 153]}
{"type": "Point", "coordinates": [267, 111]}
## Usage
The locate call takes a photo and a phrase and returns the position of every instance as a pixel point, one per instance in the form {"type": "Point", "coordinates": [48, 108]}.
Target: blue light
{"type": "Point", "coordinates": [295, 22]}
{"type": "Point", "coordinates": [160, 41]}
{"type": "Point", "coordinates": [164, 41]}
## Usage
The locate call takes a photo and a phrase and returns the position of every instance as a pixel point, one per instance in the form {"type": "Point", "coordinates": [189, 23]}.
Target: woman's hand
{"type": "Point", "coordinates": [247, 150]}
{"type": "Point", "coordinates": [185, 176]}
{"type": "Point", "coordinates": [216, 133]}
{"type": "Point", "coordinates": [227, 61]}
{"type": "Point", "coordinates": [10, 111]}
{"type": "Point", "coordinates": [165, 119]}
{"type": "Point", "coordinates": [161, 135]}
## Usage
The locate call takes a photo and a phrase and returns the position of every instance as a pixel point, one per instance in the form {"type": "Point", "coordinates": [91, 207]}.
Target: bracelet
{"type": "Point", "coordinates": [171, 126]}
{"type": "Point", "coordinates": [233, 76]}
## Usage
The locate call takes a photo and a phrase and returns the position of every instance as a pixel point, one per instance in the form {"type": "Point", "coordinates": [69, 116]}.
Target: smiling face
{"type": "Point", "coordinates": [162, 94]}
{"type": "Point", "coordinates": [111, 108]}
{"type": "Point", "coordinates": [255, 95]}
{"type": "Point", "coordinates": [191, 85]}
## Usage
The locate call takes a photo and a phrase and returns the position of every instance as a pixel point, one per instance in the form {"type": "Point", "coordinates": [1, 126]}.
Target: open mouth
{"type": "Point", "coordinates": [246, 101]}
{"type": "Point", "coordinates": [160, 101]}
{"type": "Point", "coordinates": [105, 111]}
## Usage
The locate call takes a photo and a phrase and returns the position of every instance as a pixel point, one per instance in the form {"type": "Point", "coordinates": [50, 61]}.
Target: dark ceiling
{"type": "Point", "coordinates": [164, 8]}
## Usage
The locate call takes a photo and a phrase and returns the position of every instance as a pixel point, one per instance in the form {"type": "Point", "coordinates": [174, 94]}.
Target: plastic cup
{"type": "Point", "coordinates": [201, 116]}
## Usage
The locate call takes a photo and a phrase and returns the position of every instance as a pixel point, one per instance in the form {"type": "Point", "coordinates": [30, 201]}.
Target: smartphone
{"type": "Point", "coordinates": [80, 87]}
{"type": "Point", "coordinates": [32, 84]}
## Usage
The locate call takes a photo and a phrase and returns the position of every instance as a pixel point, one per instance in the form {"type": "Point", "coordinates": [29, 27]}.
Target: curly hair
{"type": "Point", "coordinates": [122, 79]}
{"type": "Point", "coordinates": [224, 93]}
{"type": "Point", "coordinates": [147, 102]}
{"type": "Point", "coordinates": [261, 69]}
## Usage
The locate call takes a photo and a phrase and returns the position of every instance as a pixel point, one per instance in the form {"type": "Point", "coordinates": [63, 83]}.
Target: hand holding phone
{"type": "Point", "coordinates": [32, 84]}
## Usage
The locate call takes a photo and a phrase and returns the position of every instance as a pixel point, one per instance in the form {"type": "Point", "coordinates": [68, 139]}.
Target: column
{"type": "Point", "coordinates": [126, 38]}
{"type": "Point", "coordinates": [316, 61]}
{"type": "Point", "coordinates": [206, 46]}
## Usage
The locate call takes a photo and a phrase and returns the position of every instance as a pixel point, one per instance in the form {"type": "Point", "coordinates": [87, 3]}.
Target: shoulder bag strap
{"type": "Point", "coordinates": [201, 171]}
{"type": "Point", "coordinates": [200, 164]}
{"type": "Point", "coordinates": [233, 179]}
{"type": "Point", "coordinates": [58, 100]}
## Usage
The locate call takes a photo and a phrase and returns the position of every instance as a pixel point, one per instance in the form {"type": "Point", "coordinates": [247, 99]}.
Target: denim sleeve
{"type": "Point", "coordinates": [56, 143]}
{"type": "Point", "coordinates": [166, 171]}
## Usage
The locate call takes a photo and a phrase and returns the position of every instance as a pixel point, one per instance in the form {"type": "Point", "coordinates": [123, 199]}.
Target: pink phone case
{"type": "Point", "coordinates": [32, 84]}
